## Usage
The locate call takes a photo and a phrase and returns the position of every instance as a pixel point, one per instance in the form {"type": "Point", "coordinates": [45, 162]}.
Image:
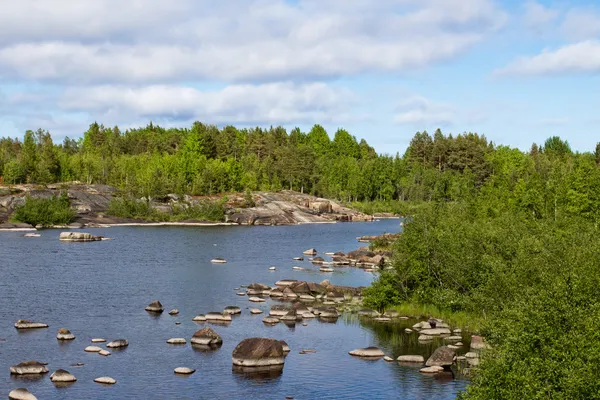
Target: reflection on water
{"type": "Point", "coordinates": [101, 290]}
{"type": "Point", "coordinates": [258, 373]}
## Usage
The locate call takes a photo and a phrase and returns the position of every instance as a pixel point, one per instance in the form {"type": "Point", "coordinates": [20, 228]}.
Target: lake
{"type": "Point", "coordinates": [100, 289]}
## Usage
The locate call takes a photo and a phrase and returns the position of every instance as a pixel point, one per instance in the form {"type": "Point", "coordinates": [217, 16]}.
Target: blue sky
{"type": "Point", "coordinates": [515, 71]}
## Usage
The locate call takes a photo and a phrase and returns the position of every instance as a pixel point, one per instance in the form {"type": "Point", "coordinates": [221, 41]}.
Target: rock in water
{"type": "Point", "coordinates": [478, 343]}
{"type": "Point", "coordinates": [199, 318]}
{"type": "Point", "coordinates": [368, 352]}
{"type": "Point", "coordinates": [107, 380]}
{"type": "Point", "coordinates": [431, 370]}
{"type": "Point", "coordinates": [104, 353]}
{"type": "Point", "coordinates": [436, 331]}
{"type": "Point", "coordinates": [207, 336]}
{"type": "Point", "coordinates": [286, 348]}
{"type": "Point", "coordinates": [155, 307]}
{"type": "Point", "coordinates": [388, 359]}
{"type": "Point", "coordinates": [255, 311]}
{"type": "Point", "coordinates": [61, 375]}
{"type": "Point", "coordinates": [184, 371]}
{"type": "Point", "coordinates": [310, 252]}
{"type": "Point", "coordinates": [92, 349]}
{"type": "Point", "coordinates": [174, 312]}
{"type": "Point", "coordinates": [256, 300]}
{"type": "Point", "coordinates": [98, 340]}
{"type": "Point", "coordinates": [27, 324]}
{"type": "Point", "coordinates": [29, 368]}
{"type": "Point", "coordinates": [271, 320]}
{"type": "Point", "coordinates": [177, 341]}
{"type": "Point", "coordinates": [441, 357]}
{"type": "Point", "coordinates": [233, 310]}
{"type": "Point", "coordinates": [116, 344]}
{"type": "Point", "coordinates": [64, 334]}
{"type": "Point", "coordinates": [219, 317]}
{"type": "Point", "coordinates": [78, 237]}
{"type": "Point", "coordinates": [411, 359]}
{"type": "Point", "coordinates": [21, 394]}
{"type": "Point", "coordinates": [258, 352]}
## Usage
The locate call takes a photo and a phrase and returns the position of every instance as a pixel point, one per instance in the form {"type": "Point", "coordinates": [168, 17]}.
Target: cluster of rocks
{"type": "Point", "coordinates": [293, 290]}
{"type": "Point", "coordinates": [362, 258]}
{"type": "Point", "coordinates": [79, 237]}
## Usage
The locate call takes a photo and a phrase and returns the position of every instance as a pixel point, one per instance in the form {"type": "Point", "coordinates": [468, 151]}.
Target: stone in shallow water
{"type": "Point", "coordinates": [370, 352]}
{"type": "Point", "coordinates": [388, 359]}
{"type": "Point", "coordinates": [98, 340]}
{"type": "Point", "coordinates": [436, 332]}
{"type": "Point", "coordinates": [21, 394]}
{"type": "Point", "coordinates": [155, 307]}
{"type": "Point", "coordinates": [29, 368]}
{"type": "Point", "coordinates": [184, 371]}
{"type": "Point", "coordinates": [62, 376]}
{"type": "Point", "coordinates": [104, 353]}
{"type": "Point", "coordinates": [64, 334]}
{"type": "Point", "coordinates": [116, 344]}
{"type": "Point", "coordinates": [92, 349]}
{"type": "Point", "coordinates": [411, 359]}
{"type": "Point", "coordinates": [233, 310]}
{"type": "Point", "coordinates": [256, 300]}
{"type": "Point", "coordinates": [174, 312]}
{"type": "Point", "coordinates": [441, 357]}
{"type": "Point", "coordinates": [255, 311]}
{"type": "Point", "coordinates": [217, 316]}
{"type": "Point", "coordinates": [177, 341]}
{"type": "Point", "coordinates": [431, 370]}
{"type": "Point", "coordinates": [27, 324]}
{"type": "Point", "coordinates": [199, 318]}
{"type": "Point", "coordinates": [107, 380]}
{"type": "Point", "coordinates": [207, 336]}
{"type": "Point", "coordinates": [271, 320]}
{"type": "Point", "coordinates": [258, 352]}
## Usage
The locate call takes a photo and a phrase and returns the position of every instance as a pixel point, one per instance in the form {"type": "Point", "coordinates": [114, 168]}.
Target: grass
{"type": "Point", "coordinates": [136, 209]}
{"type": "Point", "coordinates": [470, 322]}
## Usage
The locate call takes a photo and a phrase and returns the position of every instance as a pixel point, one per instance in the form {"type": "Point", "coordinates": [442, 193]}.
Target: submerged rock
{"type": "Point", "coordinates": [64, 334]}
{"type": "Point", "coordinates": [207, 336]}
{"type": "Point", "coordinates": [21, 394]}
{"type": "Point", "coordinates": [29, 368]}
{"type": "Point", "coordinates": [258, 352]}
{"type": "Point", "coordinates": [155, 307]}
{"type": "Point", "coordinates": [27, 324]}
{"type": "Point", "coordinates": [368, 352]}
{"type": "Point", "coordinates": [61, 375]}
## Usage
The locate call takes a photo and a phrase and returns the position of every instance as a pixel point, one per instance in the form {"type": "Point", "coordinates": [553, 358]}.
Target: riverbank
{"type": "Point", "coordinates": [93, 205]}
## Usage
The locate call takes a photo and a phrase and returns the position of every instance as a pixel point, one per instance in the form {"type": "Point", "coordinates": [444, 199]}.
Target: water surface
{"type": "Point", "coordinates": [100, 289]}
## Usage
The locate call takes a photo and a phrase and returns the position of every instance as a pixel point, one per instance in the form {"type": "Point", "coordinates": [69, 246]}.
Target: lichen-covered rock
{"type": "Point", "coordinates": [258, 352]}
{"type": "Point", "coordinates": [29, 368]}
{"type": "Point", "coordinates": [207, 336]}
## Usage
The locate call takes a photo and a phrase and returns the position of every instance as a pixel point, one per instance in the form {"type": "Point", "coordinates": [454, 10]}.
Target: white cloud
{"type": "Point", "coordinates": [581, 23]}
{"type": "Point", "coordinates": [267, 103]}
{"type": "Point", "coordinates": [111, 41]}
{"type": "Point", "coordinates": [537, 16]}
{"type": "Point", "coordinates": [582, 57]}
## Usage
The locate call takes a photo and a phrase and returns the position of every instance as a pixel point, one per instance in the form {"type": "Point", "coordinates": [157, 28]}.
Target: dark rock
{"type": "Point", "coordinates": [441, 357]}
{"type": "Point", "coordinates": [258, 352]}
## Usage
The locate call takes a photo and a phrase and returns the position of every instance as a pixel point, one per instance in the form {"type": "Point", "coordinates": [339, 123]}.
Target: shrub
{"type": "Point", "coordinates": [45, 211]}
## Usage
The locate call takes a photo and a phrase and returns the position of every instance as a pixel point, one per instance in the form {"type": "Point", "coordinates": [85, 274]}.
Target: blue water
{"type": "Point", "coordinates": [100, 289]}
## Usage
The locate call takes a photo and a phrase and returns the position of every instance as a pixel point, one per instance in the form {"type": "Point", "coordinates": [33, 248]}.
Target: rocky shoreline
{"type": "Point", "coordinates": [91, 202]}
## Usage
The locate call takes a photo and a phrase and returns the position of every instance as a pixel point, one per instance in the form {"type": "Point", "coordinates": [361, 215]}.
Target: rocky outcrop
{"type": "Point", "coordinates": [258, 352]}
{"type": "Point", "coordinates": [29, 368]}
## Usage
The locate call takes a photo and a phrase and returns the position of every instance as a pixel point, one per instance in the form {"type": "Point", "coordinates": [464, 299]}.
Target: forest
{"type": "Point", "coordinates": [509, 237]}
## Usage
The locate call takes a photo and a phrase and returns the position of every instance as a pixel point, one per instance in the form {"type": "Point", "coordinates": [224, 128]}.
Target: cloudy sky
{"type": "Point", "coordinates": [516, 71]}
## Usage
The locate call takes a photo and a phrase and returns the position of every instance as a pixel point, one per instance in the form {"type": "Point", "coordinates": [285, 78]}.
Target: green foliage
{"type": "Point", "coordinates": [45, 211]}
{"type": "Point", "coordinates": [139, 209]}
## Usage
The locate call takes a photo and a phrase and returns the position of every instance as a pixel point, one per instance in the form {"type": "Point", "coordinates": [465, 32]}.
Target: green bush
{"type": "Point", "coordinates": [130, 208]}
{"type": "Point", "coordinates": [45, 211]}
{"type": "Point", "coordinates": [201, 211]}
{"type": "Point", "coordinates": [138, 209]}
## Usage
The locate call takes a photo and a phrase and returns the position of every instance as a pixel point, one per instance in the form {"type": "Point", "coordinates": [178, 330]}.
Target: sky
{"type": "Point", "coordinates": [516, 71]}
